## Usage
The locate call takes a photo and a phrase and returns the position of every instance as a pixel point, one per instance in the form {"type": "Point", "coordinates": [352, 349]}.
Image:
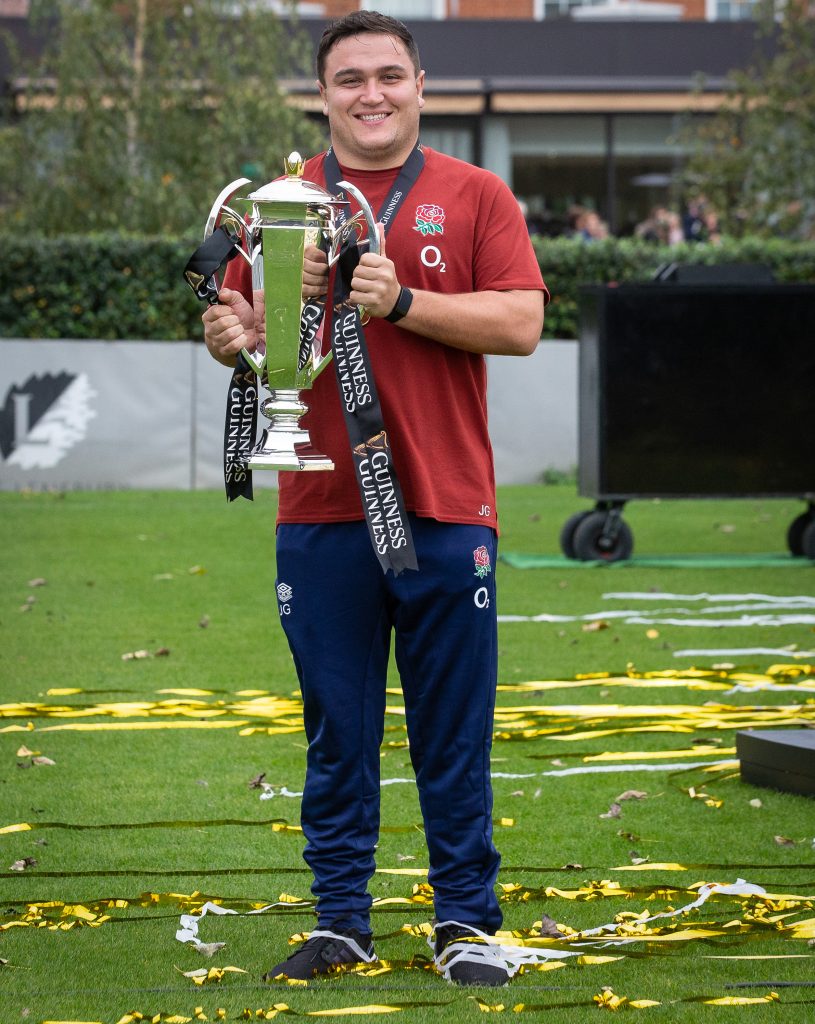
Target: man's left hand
{"type": "Point", "coordinates": [374, 284]}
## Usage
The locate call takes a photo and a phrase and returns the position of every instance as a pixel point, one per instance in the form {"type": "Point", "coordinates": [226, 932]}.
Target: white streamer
{"type": "Point", "coordinates": [491, 950]}
{"type": "Point", "coordinates": [738, 652]}
{"type": "Point", "coordinates": [738, 888]}
{"type": "Point", "coordinates": [639, 595]}
{"type": "Point", "coordinates": [592, 769]}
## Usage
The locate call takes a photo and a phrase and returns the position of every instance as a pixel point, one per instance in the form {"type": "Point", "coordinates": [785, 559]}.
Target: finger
{"type": "Point", "coordinates": [229, 297]}
{"type": "Point", "coordinates": [314, 255]}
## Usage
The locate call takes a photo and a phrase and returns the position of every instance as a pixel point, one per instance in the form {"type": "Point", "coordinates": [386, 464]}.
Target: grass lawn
{"type": "Point", "coordinates": [140, 654]}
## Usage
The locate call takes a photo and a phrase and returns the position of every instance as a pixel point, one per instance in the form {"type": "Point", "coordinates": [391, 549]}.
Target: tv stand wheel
{"type": "Point", "coordinates": [603, 536]}
{"type": "Point", "coordinates": [796, 531]}
{"type": "Point", "coordinates": [567, 532]}
{"type": "Point", "coordinates": [808, 540]}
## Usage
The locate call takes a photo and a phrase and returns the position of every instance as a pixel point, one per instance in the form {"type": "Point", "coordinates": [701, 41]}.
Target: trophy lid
{"type": "Point", "coordinates": [292, 188]}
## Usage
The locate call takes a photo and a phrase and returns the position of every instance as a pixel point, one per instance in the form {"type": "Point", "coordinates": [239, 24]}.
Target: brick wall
{"type": "Point", "coordinates": [466, 8]}
{"type": "Point", "coordinates": [14, 8]}
{"type": "Point", "coordinates": [490, 9]}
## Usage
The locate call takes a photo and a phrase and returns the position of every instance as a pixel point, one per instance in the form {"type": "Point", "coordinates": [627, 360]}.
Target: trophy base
{"type": "Point", "coordinates": [299, 457]}
{"type": "Point", "coordinates": [284, 444]}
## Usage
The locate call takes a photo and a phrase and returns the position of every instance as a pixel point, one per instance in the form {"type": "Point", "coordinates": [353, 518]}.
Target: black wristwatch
{"type": "Point", "coordinates": [402, 306]}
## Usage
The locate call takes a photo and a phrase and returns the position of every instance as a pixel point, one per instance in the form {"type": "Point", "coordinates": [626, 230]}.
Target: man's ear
{"type": "Point", "coordinates": [420, 87]}
{"type": "Point", "coordinates": [321, 87]}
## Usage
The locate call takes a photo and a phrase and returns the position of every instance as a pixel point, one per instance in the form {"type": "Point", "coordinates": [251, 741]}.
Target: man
{"type": "Point", "coordinates": [456, 278]}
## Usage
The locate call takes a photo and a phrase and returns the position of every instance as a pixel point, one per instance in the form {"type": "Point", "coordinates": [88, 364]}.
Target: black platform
{"type": "Point", "coordinates": [781, 759]}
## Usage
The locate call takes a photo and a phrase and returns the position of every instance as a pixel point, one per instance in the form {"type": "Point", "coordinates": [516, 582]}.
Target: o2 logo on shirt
{"type": "Point", "coordinates": [431, 257]}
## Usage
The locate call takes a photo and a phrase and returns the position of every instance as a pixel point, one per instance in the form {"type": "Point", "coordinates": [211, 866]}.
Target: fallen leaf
{"type": "Point", "coordinates": [162, 652]}
{"type": "Point", "coordinates": [783, 841]}
{"type": "Point", "coordinates": [404, 856]}
{"type": "Point", "coordinates": [197, 570]}
{"type": "Point", "coordinates": [635, 858]}
{"type": "Point", "coordinates": [573, 867]}
{"type": "Point", "coordinates": [135, 655]}
{"type": "Point", "coordinates": [632, 837]}
{"type": "Point", "coordinates": [38, 582]}
{"type": "Point", "coordinates": [43, 761]}
{"type": "Point", "coordinates": [21, 865]}
{"type": "Point", "coordinates": [203, 622]}
{"type": "Point", "coordinates": [632, 794]}
{"type": "Point", "coordinates": [613, 812]}
{"type": "Point", "coordinates": [257, 782]}
{"type": "Point", "coordinates": [209, 948]}
{"type": "Point", "coordinates": [756, 803]}
{"type": "Point", "coordinates": [517, 792]}
{"type": "Point", "coordinates": [595, 626]}
{"type": "Point", "coordinates": [652, 634]}
{"type": "Point", "coordinates": [549, 929]}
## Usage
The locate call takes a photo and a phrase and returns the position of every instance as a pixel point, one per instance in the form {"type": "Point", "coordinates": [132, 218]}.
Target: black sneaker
{"type": "Point", "coordinates": [468, 962]}
{"type": "Point", "coordinates": [323, 950]}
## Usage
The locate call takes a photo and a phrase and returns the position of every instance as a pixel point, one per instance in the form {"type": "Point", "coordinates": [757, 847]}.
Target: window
{"type": "Point", "coordinates": [729, 10]}
{"type": "Point", "coordinates": [560, 8]}
{"type": "Point", "coordinates": [414, 10]}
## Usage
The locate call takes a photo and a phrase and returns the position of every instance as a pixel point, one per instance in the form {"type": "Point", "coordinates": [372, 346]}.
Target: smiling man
{"type": "Point", "coordinates": [455, 279]}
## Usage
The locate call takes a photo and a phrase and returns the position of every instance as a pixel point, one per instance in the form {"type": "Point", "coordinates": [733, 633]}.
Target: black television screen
{"type": "Point", "coordinates": [697, 390]}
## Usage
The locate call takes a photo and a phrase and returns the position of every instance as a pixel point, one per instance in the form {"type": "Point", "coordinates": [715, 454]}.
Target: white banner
{"type": "Point", "coordinates": [100, 415]}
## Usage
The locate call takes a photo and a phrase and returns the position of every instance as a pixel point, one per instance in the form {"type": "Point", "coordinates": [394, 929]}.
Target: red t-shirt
{"type": "Point", "coordinates": [459, 229]}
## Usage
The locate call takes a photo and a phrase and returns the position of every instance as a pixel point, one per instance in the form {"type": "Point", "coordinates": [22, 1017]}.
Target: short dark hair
{"type": "Point", "coordinates": [364, 21]}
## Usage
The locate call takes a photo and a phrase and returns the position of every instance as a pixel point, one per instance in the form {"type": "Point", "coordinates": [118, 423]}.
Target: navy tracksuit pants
{"type": "Point", "coordinates": [338, 611]}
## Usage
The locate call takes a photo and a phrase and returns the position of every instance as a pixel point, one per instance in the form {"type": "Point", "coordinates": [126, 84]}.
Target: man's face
{"type": "Point", "coordinates": [372, 97]}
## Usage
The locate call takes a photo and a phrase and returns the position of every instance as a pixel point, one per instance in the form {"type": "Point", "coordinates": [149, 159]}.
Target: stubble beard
{"type": "Point", "coordinates": [385, 152]}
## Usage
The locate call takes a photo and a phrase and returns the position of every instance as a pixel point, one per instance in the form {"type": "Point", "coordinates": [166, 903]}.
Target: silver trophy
{"type": "Point", "coordinates": [272, 228]}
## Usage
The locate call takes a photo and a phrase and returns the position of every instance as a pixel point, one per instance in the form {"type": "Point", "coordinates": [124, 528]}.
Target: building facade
{"type": "Point", "coordinates": [571, 102]}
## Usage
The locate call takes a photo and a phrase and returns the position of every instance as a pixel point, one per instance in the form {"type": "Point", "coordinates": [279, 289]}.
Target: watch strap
{"type": "Point", "coordinates": [402, 306]}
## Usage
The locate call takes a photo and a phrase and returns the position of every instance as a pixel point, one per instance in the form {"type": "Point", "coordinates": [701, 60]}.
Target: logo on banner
{"type": "Point", "coordinates": [42, 419]}
{"type": "Point", "coordinates": [429, 219]}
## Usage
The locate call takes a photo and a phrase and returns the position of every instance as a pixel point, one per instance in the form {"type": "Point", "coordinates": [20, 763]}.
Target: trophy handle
{"type": "Point", "coordinates": [321, 364]}
{"type": "Point", "coordinates": [214, 221]}
{"type": "Point", "coordinates": [256, 362]}
{"type": "Point", "coordinates": [223, 198]}
{"type": "Point", "coordinates": [367, 213]}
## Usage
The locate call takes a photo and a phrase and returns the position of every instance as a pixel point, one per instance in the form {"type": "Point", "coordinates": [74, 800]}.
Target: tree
{"type": "Point", "coordinates": [754, 160]}
{"type": "Point", "coordinates": [140, 111]}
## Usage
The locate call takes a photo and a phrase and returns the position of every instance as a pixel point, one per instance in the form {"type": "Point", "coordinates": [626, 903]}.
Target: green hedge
{"type": "Point", "coordinates": [125, 287]}
{"type": "Point", "coordinates": [567, 263]}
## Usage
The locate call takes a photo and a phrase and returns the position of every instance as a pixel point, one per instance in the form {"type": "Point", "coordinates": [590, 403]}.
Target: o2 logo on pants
{"type": "Point", "coordinates": [481, 598]}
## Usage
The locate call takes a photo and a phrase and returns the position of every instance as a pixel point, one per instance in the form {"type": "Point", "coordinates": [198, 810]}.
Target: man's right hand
{"type": "Point", "coordinates": [229, 327]}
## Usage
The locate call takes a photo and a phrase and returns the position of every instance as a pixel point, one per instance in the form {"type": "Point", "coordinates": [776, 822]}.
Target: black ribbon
{"type": "Point", "coordinates": [240, 424]}
{"type": "Point", "coordinates": [379, 489]}
{"type": "Point", "coordinates": [239, 430]}
{"type": "Point", "coordinates": [206, 261]}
